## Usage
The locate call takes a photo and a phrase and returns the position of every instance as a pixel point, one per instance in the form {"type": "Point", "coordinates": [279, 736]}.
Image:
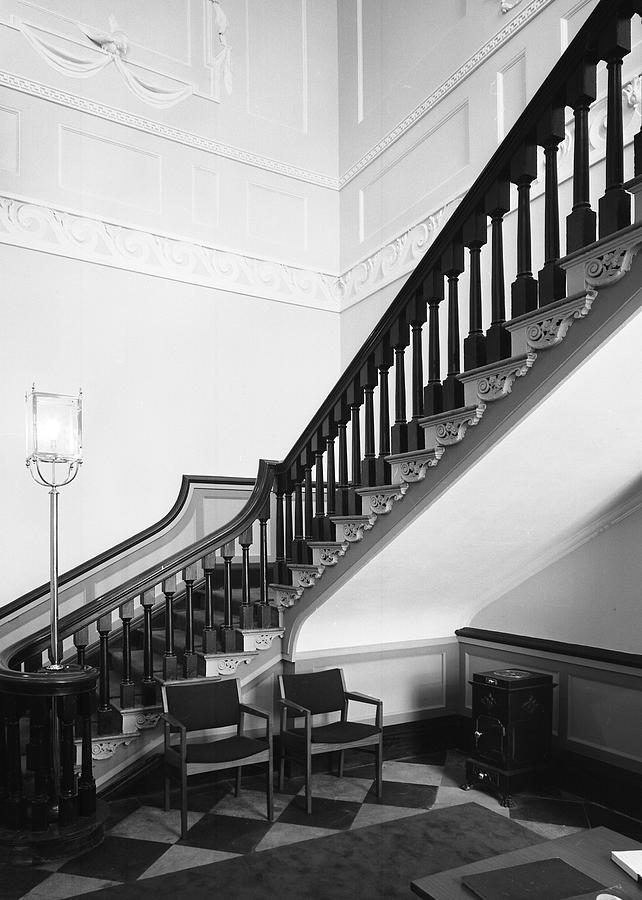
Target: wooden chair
{"type": "Point", "coordinates": [199, 704]}
{"type": "Point", "coordinates": [320, 693]}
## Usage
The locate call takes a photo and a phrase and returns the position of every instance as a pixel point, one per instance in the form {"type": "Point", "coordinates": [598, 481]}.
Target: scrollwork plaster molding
{"type": "Point", "coordinates": [607, 268]}
{"type": "Point", "coordinates": [546, 328]}
{"type": "Point", "coordinates": [495, 381]}
{"type": "Point", "coordinates": [412, 466]}
{"type": "Point", "coordinates": [284, 596]}
{"type": "Point", "coordinates": [305, 576]}
{"type": "Point", "coordinates": [351, 528]}
{"type": "Point", "coordinates": [104, 748]}
{"type": "Point", "coordinates": [382, 499]}
{"type": "Point", "coordinates": [445, 429]}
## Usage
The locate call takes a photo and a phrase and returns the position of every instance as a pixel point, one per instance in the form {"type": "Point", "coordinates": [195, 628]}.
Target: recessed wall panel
{"type": "Point", "coordinates": [511, 94]}
{"type": "Point", "coordinates": [277, 82]}
{"type": "Point", "coordinates": [438, 156]}
{"type": "Point", "coordinates": [600, 715]}
{"type": "Point", "coordinates": [9, 140]}
{"type": "Point", "coordinates": [205, 197]}
{"type": "Point", "coordinates": [95, 166]}
{"type": "Point", "coordinates": [276, 216]}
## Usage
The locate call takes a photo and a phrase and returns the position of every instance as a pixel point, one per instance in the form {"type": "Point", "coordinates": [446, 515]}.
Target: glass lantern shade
{"type": "Point", "coordinates": [54, 428]}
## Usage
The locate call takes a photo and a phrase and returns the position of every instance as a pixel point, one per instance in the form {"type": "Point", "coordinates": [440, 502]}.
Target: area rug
{"type": "Point", "coordinates": [377, 862]}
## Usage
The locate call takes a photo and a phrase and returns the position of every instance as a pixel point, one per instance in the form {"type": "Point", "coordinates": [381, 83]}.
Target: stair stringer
{"type": "Point", "coordinates": [613, 305]}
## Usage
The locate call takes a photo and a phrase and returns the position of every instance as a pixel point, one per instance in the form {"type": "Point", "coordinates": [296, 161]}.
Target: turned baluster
{"type": "Point", "coordinates": [127, 689]}
{"type": "Point", "coordinates": [498, 341]}
{"type": "Point", "coordinates": [523, 173]}
{"type": "Point", "coordinates": [148, 684]}
{"type": "Point", "coordinates": [416, 314]}
{"type": "Point", "coordinates": [104, 707]}
{"type": "Point", "coordinates": [39, 761]}
{"type": "Point", "coordinates": [400, 338]}
{"type": "Point", "coordinates": [475, 344]}
{"type": "Point", "coordinates": [15, 804]}
{"type": "Point", "coordinates": [86, 782]}
{"type": "Point", "coordinates": [246, 612]}
{"type": "Point", "coordinates": [280, 566]}
{"type": "Point", "coordinates": [228, 634]}
{"type": "Point", "coordinates": [329, 432]}
{"type": "Point", "coordinates": [552, 278]}
{"type": "Point", "coordinates": [307, 461]}
{"type": "Point", "coordinates": [190, 667]}
{"type": "Point", "coordinates": [354, 400]}
{"type": "Point", "coordinates": [580, 93]}
{"type": "Point", "coordinates": [368, 380]}
{"type": "Point", "coordinates": [264, 610]}
{"type": "Point", "coordinates": [289, 532]}
{"type": "Point", "coordinates": [318, 522]}
{"type": "Point", "coordinates": [68, 795]}
{"type": "Point", "coordinates": [341, 417]}
{"type": "Point", "coordinates": [81, 640]}
{"type": "Point", "coordinates": [452, 264]}
{"type": "Point", "coordinates": [208, 637]}
{"type": "Point", "coordinates": [170, 663]}
{"type": "Point", "coordinates": [433, 392]}
{"type": "Point", "coordinates": [383, 361]}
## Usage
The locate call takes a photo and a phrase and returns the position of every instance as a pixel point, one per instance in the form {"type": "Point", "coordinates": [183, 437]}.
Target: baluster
{"type": "Point", "coordinates": [498, 342]}
{"type": "Point", "coordinates": [329, 432]}
{"type": "Point", "coordinates": [228, 635]}
{"type": "Point", "coordinates": [68, 796]}
{"type": "Point", "coordinates": [433, 392]}
{"type": "Point", "coordinates": [264, 610]}
{"type": "Point", "coordinates": [368, 380]}
{"type": "Point", "coordinates": [383, 361]}
{"type": "Point", "coordinates": [341, 417]}
{"type": "Point", "coordinates": [15, 804]}
{"type": "Point", "coordinates": [416, 315]}
{"type": "Point", "coordinates": [399, 337]}
{"type": "Point", "coordinates": [615, 206]}
{"type": "Point", "coordinates": [524, 288]}
{"type": "Point", "coordinates": [86, 783]}
{"type": "Point", "coordinates": [190, 665]}
{"type": "Point", "coordinates": [104, 707]}
{"type": "Point", "coordinates": [452, 264]}
{"type": "Point", "coordinates": [355, 399]}
{"type": "Point", "coordinates": [552, 278]}
{"type": "Point", "coordinates": [580, 93]}
{"type": "Point", "coordinates": [127, 689]}
{"type": "Point", "coordinates": [299, 546]}
{"type": "Point", "coordinates": [246, 612]}
{"type": "Point", "coordinates": [280, 566]}
{"type": "Point", "coordinates": [39, 761]}
{"type": "Point", "coordinates": [81, 639]}
{"type": "Point", "coordinates": [307, 462]}
{"type": "Point", "coordinates": [148, 684]}
{"type": "Point", "coordinates": [288, 530]}
{"type": "Point", "coordinates": [208, 638]}
{"type": "Point", "coordinates": [170, 663]}
{"type": "Point", "coordinates": [318, 523]}
{"type": "Point", "coordinates": [474, 234]}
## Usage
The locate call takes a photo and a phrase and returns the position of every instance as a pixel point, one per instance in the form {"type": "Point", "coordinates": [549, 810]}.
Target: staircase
{"type": "Point", "coordinates": [232, 602]}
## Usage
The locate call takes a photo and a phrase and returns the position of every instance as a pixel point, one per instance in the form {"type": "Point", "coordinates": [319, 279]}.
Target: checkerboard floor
{"type": "Point", "coordinates": [142, 841]}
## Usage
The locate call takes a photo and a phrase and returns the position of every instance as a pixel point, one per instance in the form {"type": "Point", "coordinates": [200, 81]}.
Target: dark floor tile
{"type": "Point", "coordinates": [18, 880]}
{"type": "Point", "coordinates": [435, 758]}
{"type": "Point", "coordinates": [395, 793]}
{"type": "Point", "coordinates": [202, 799]}
{"type": "Point", "coordinates": [367, 771]}
{"type": "Point", "coordinates": [293, 785]}
{"type": "Point", "coordinates": [336, 814]}
{"type": "Point", "coordinates": [234, 834]}
{"type": "Point", "coordinates": [599, 815]}
{"type": "Point", "coordinates": [554, 812]}
{"type": "Point", "coordinates": [116, 859]}
{"type": "Point", "coordinates": [120, 809]}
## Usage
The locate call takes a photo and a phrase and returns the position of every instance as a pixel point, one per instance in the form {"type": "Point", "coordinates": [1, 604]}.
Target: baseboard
{"type": "Point", "coordinates": [598, 782]}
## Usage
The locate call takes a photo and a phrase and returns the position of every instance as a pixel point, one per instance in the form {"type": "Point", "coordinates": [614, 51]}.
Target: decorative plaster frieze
{"type": "Point", "coordinates": [350, 529]}
{"type": "Point", "coordinates": [226, 664]}
{"type": "Point", "coordinates": [284, 596]}
{"type": "Point", "coordinates": [494, 381]}
{"type": "Point", "coordinates": [305, 576]}
{"type": "Point", "coordinates": [445, 429]}
{"type": "Point", "coordinates": [507, 5]}
{"type": "Point", "coordinates": [603, 263]}
{"type": "Point", "coordinates": [327, 553]}
{"type": "Point", "coordinates": [383, 497]}
{"type": "Point", "coordinates": [608, 267]}
{"type": "Point", "coordinates": [547, 327]}
{"type": "Point", "coordinates": [412, 466]}
{"type": "Point", "coordinates": [104, 748]}
{"type": "Point", "coordinates": [260, 639]}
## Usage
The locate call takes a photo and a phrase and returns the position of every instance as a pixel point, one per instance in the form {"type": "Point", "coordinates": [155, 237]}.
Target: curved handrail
{"type": "Point", "coordinates": [89, 613]}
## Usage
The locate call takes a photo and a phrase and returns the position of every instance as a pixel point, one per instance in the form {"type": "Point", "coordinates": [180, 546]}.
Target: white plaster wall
{"type": "Point", "coordinates": [176, 379]}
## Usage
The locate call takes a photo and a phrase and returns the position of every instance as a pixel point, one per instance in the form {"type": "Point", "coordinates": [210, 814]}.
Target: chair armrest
{"type": "Point", "coordinates": [296, 711]}
{"type": "Point", "coordinates": [365, 698]}
{"type": "Point", "coordinates": [290, 704]}
{"type": "Point", "coordinates": [174, 723]}
{"type": "Point", "coordinates": [261, 713]}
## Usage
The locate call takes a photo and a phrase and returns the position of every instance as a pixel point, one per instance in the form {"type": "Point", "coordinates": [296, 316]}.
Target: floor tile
{"type": "Point", "coordinates": [371, 814]}
{"type": "Point", "coordinates": [58, 886]}
{"type": "Point", "coordinates": [154, 824]}
{"type": "Point", "coordinates": [411, 773]}
{"type": "Point", "coordinates": [282, 834]}
{"type": "Point", "coordinates": [435, 758]}
{"type": "Point", "coordinates": [396, 793]}
{"type": "Point", "coordinates": [250, 805]}
{"type": "Point", "coordinates": [454, 796]}
{"type": "Point", "coordinates": [557, 812]}
{"type": "Point", "coordinates": [116, 859]}
{"type": "Point", "coordinates": [179, 856]}
{"type": "Point", "coordinates": [120, 809]}
{"type": "Point", "coordinates": [548, 829]}
{"type": "Point", "coordinates": [334, 788]}
{"type": "Point", "coordinates": [233, 834]}
{"type": "Point", "coordinates": [18, 880]}
{"type": "Point", "coordinates": [336, 814]}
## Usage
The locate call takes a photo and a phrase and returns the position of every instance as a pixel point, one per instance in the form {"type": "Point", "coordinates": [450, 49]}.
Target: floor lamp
{"type": "Point", "coordinates": [54, 438]}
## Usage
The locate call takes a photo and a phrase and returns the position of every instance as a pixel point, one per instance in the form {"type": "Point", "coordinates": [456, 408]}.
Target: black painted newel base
{"type": "Point", "coordinates": [31, 848]}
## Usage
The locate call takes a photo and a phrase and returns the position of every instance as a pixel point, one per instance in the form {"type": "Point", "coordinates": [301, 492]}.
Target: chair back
{"type": "Point", "coordinates": [203, 703]}
{"type": "Point", "coordinates": [320, 692]}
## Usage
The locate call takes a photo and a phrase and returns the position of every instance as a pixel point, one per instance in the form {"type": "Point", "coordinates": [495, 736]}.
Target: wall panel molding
{"type": "Point", "coordinates": [10, 137]}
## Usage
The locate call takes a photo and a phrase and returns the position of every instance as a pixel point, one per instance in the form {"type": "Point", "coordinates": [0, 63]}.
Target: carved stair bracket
{"type": "Point", "coordinates": [350, 529]}
{"type": "Point", "coordinates": [327, 553]}
{"type": "Point", "coordinates": [139, 718]}
{"type": "Point", "coordinates": [547, 327]}
{"type": "Point", "coordinates": [225, 664]}
{"type": "Point", "coordinates": [602, 264]}
{"type": "Point", "coordinates": [494, 381]}
{"type": "Point", "coordinates": [256, 639]}
{"type": "Point", "coordinates": [448, 428]}
{"type": "Point", "coordinates": [305, 576]}
{"type": "Point", "coordinates": [412, 466]}
{"type": "Point", "coordinates": [383, 497]}
{"type": "Point", "coordinates": [105, 747]}
{"type": "Point", "coordinates": [283, 596]}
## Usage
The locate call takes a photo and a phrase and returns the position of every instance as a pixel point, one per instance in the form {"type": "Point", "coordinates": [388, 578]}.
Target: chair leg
{"type": "Point", "coordinates": [340, 763]}
{"type": "Point", "coordinates": [308, 781]}
{"type": "Point", "coordinates": [167, 787]}
{"type": "Point", "coordinates": [238, 781]}
{"type": "Point", "coordinates": [270, 791]}
{"type": "Point", "coordinates": [379, 764]}
{"type": "Point", "coordinates": [282, 769]}
{"type": "Point", "coordinates": [183, 804]}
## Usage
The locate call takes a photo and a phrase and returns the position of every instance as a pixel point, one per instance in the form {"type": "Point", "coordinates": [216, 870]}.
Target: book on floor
{"type": "Point", "coordinates": [553, 879]}
{"type": "Point", "coordinates": [630, 861]}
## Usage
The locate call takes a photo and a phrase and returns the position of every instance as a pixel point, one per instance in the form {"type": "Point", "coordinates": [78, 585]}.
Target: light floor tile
{"type": "Point", "coordinates": [180, 857]}
{"type": "Point", "coordinates": [332, 787]}
{"type": "Point", "coordinates": [152, 824]}
{"type": "Point", "coordinates": [549, 829]}
{"type": "Point", "coordinates": [281, 835]}
{"type": "Point", "coordinates": [58, 886]}
{"type": "Point", "coordinates": [454, 796]}
{"type": "Point", "coordinates": [412, 773]}
{"type": "Point", "coordinates": [373, 814]}
{"type": "Point", "coordinates": [250, 805]}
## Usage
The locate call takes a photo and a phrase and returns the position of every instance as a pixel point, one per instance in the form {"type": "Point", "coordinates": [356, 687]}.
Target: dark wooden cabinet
{"type": "Point", "coordinates": [512, 725]}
